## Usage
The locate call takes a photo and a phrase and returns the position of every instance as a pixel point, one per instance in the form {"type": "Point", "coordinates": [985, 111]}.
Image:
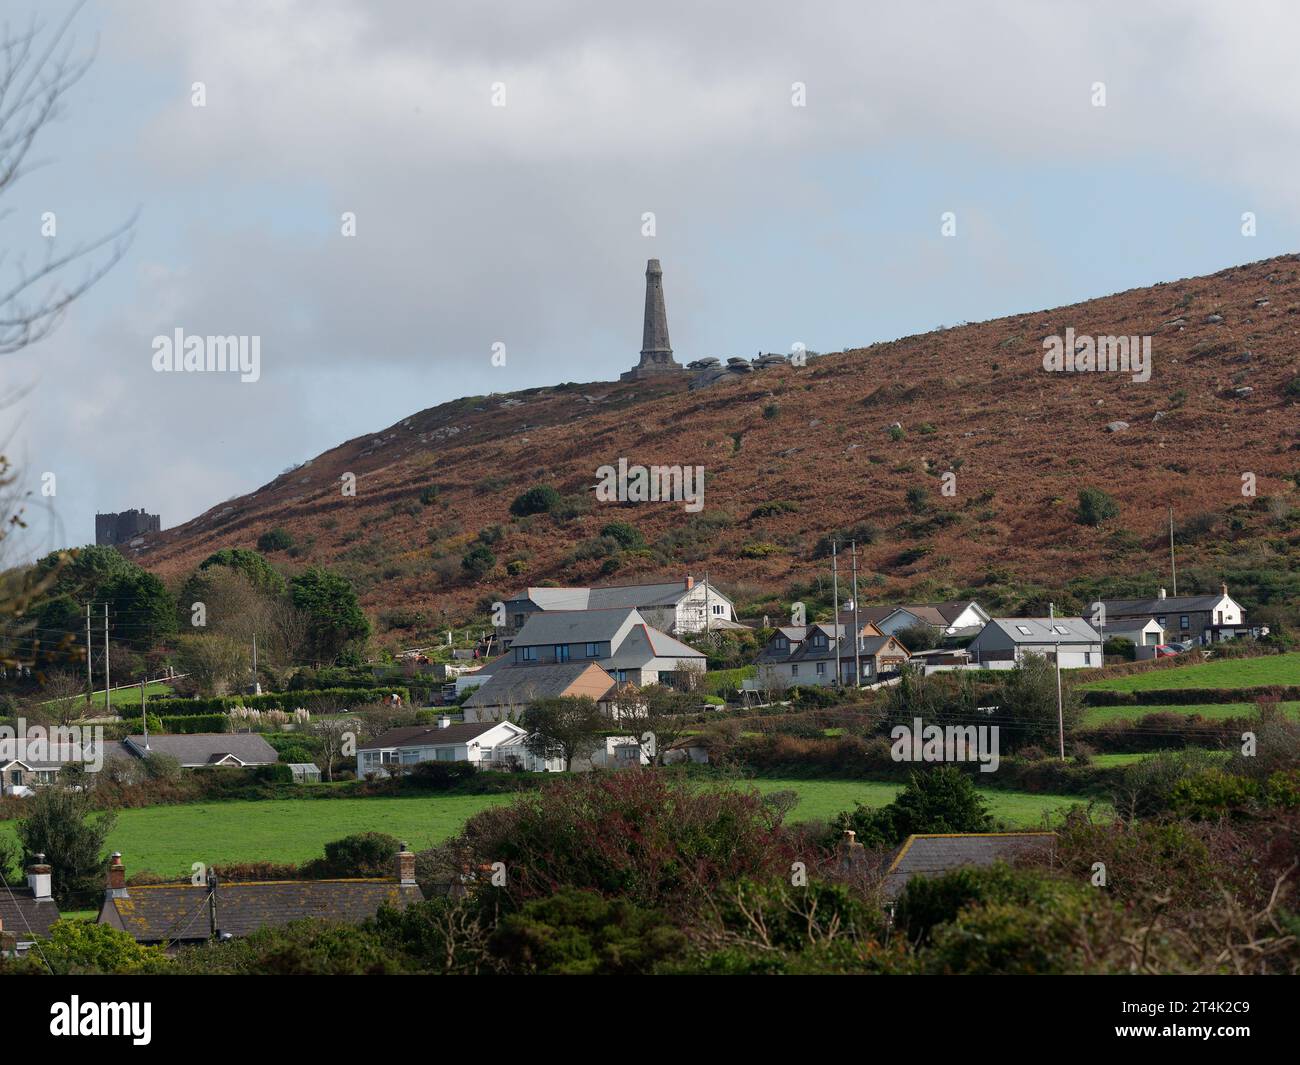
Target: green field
{"type": "Point", "coordinates": [1096, 715]}
{"type": "Point", "coordinates": [820, 800]}
{"type": "Point", "coordinates": [169, 839]}
{"type": "Point", "coordinates": [1217, 673]}
{"type": "Point", "coordinates": [123, 697]}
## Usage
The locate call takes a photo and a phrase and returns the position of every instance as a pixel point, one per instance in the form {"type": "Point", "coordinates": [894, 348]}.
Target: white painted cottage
{"type": "Point", "coordinates": [1003, 642]}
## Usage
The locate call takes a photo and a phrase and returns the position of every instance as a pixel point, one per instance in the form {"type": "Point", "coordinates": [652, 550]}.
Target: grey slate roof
{"type": "Point", "coordinates": [22, 913]}
{"type": "Point", "coordinates": [518, 685]}
{"type": "Point", "coordinates": [573, 626]}
{"type": "Point", "coordinates": [1177, 604]}
{"type": "Point", "coordinates": [934, 855]}
{"type": "Point", "coordinates": [608, 596]}
{"type": "Point", "coordinates": [165, 913]}
{"type": "Point", "coordinates": [429, 735]}
{"type": "Point", "coordinates": [205, 748]}
{"type": "Point", "coordinates": [1043, 630]}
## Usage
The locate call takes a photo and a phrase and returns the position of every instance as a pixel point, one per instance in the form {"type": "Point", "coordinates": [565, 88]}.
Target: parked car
{"type": "Point", "coordinates": [1168, 650]}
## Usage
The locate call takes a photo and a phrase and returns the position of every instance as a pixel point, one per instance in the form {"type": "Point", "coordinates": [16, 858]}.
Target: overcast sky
{"type": "Point", "coordinates": [522, 224]}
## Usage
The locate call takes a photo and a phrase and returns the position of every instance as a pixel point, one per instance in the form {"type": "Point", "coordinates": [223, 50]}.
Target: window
{"type": "Point", "coordinates": [782, 643]}
{"type": "Point", "coordinates": [794, 671]}
{"type": "Point", "coordinates": [821, 669]}
{"type": "Point", "coordinates": [561, 652]}
{"type": "Point", "coordinates": [1061, 629]}
{"type": "Point", "coordinates": [519, 620]}
{"type": "Point", "coordinates": [1161, 621]}
{"type": "Point", "coordinates": [718, 608]}
{"type": "Point", "coordinates": [1024, 630]}
{"type": "Point", "coordinates": [620, 675]}
{"type": "Point", "coordinates": [410, 757]}
{"type": "Point", "coordinates": [818, 640]}
{"type": "Point", "coordinates": [527, 654]}
{"type": "Point", "coordinates": [1087, 658]}
{"type": "Point", "coordinates": [592, 650]}
{"type": "Point", "coordinates": [446, 754]}
{"type": "Point", "coordinates": [1183, 622]}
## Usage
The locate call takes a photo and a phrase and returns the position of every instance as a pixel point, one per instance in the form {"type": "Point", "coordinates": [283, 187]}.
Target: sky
{"type": "Point", "coordinates": [499, 161]}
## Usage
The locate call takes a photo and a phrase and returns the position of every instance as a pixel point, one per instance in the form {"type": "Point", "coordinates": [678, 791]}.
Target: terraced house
{"type": "Point", "coordinates": [1199, 619]}
{"type": "Point", "coordinates": [806, 654]}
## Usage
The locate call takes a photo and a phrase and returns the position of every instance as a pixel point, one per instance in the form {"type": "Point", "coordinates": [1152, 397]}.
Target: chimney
{"type": "Point", "coordinates": [444, 721]}
{"type": "Point", "coordinates": [405, 866]}
{"type": "Point", "coordinates": [38, 878]}
{"type": "Point", "coordinates": [853, 854]}
{"type": "Point", "coordinates": [690, 583]}
{"type": "Point", "coordinates": [1224, 587]}
{"type": "Point", "coordinates": [116, 888]}
{"type": "Point", "coordinates": [1162, 593]}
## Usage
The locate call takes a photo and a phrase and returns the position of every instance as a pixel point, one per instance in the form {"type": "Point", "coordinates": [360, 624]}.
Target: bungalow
{"type": "Point", "coordinates": [617, 639]}
{"type": "Point", "coordinates": [936, 854]}
{"type": "Point", "coordinates": [1004, 642]}
{"type": "Point", "coordinates": [805, 654]}
{"type": "Point", "coordinates": [207, 749]}
{"type": "Point", "coordinates": [1145, 634]}
{"type": "Point", "coordinates": [675, 606]}
{"type": "Point", "coordinates": [481, 743]}
{"type": "Point", "coordinates": [34, 764]}
{"type": "Point", "coordinates": [1191, 618]}
{"type": "Point", "coordinates": [507, 693]}
{"type": "Point", "coordinates": [174, 915]}
{"type": "Point", "coordinates": [26, 913]}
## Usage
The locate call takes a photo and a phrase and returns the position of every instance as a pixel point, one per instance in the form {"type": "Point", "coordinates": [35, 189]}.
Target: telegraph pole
{"type": "Point", "coordinates": [257, 687]}
{"type": "Point", "coordinates": [108, 686]}
{"type": "Point", "coordinates": [857, 641]}
{"type": "Point", "coordinates": [144, 715]}
{"type": "Point", "coordinates": [90, 677]}
{"type": "Point", "coordinates": [1173, 567]}
{"type": "Point", "coordinates": [1060, 710]}
{"type": "Point", "coordinates": [835, 594]}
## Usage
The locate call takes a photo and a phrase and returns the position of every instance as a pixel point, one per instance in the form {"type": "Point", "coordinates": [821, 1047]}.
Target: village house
{"type": "Point", "coordinates": [672, 607]}
{"type": "Point", "coordinates": [175, 915]}
{"type": "Point", "coordinates": [1004, 642]}
{"type": "Point", "coordinates": [27, 912]}
{"type": "Point", "coordinates": [202, 749]}
{"type": "Point", "coordinates": [962, 617]}
{"type": "Point", "coordinates": [1201, 619]}
{"type": "Point", "coordinates": [935, 854]}
{"type": "Point", "coordinates": [1145, 634]}
{"type": "Point", "coordinates": [21, 772]}
{"type": "Point", "coordinates": [805, 654]}
{"type": "Point", "coordinates": [619, 640]}
{"type": "Point", "coordinates": [507, 693]}
{"type": "Point", "coordinates": [485, 744]}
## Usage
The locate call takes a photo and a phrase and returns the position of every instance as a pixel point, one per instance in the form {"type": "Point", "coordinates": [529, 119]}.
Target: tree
{"type": "Point", "coordinates": [565, 727]}
{"type": "Point", "coordinates": [214, 663]}
{"type": "Point", "coordinates": [1028, 699]}
{"type": "Point", "coordinates": [61, 700]}
{"type": "Point", "coordinates": [335, 736]}
{"type": "Point", "coordinates": [77, 947]}
{"type": "Point", "coordinates": [942, 799]}
{"type": "Point", "coordinates": [335, 618]}
{"type": "Point", "coordinates": [654, 709]}
{"type": "Point", "coordinates": [61, 824]}
{"type": "Point", "coordinates": [252, 565]}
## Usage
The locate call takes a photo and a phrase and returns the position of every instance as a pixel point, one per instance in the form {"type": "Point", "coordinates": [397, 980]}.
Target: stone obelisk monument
{"type": "Point", "coordinates": [656, 352]}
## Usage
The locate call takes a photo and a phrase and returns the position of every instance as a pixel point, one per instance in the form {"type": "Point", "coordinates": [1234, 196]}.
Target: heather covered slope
{"type": "Point", "coordinates": [791, 453]}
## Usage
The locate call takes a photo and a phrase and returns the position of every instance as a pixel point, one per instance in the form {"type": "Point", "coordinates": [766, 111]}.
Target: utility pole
{"type": "Point", "coordinates": [1060, 710]}
{"type": "Point", "coordinates": [835, 596]}
{"type": "Point", "coordinates": [108, 686]}
{"type": "Point", "coordinates": [257, 687]}
{"type": "Point", "coordinates": [90, 676]}
{"type": "Point", "coordinates": [857, 642]}
{"type": "Point", "coordinates": [1173, 568]}
{"type": "Point", "coordinates": [144, 715]}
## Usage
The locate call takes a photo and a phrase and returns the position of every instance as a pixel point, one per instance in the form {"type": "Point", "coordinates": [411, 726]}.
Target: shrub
{"type": "Point", "coordinates": [942, 799]}
{"type": "Point", "coordinates": [478, 561]}
{"type": "Point", "coordinates": [539, 499]}
{"type": "Point", "coordinates": [363, 854]}
{"type": "Point", "coordinates": [1095, 507]}
{"type": "Point", "coordinates": [276, 539]}
{"type": "Point", "coordinates": [627, 536]}
{"type": "Point", "coordinates": [774, 508]}
{"type": "Point", "coordinates": [429, 494]}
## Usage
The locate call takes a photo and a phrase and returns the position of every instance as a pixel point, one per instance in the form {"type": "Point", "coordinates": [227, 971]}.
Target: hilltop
{"type": "Point", "coordinates": [794, 452]}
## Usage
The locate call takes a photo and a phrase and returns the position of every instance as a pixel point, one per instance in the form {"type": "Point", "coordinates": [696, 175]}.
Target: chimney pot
{"type": "Point", "coordinates": [1162, 593]}
{"type": "Point", "coordinates": [690, 583]}
{"type": "Point", "coordinates": [444, 721]}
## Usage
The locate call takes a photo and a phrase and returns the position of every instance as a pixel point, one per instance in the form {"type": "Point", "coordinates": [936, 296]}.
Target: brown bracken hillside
{"type": "Point", "coordinates": [815, 444]}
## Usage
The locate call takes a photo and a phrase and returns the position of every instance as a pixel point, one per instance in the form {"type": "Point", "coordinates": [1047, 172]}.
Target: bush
{"type": "Point", "coordinates": [540, 499]}
{"type": "Point", "coordinates": [276, 539]}
{"type": "Point", "coordinates": [1095, 507]}
{"type": "Point", "coordinates": [627, 536]}
{"type": "Point", "coordinates": [363, 854]}
{"type": "Point", "coordinates": [441, 776]}
{"type": "Point", "coordinates": [941, 799]}
{"type": "Point", "coordinates": [429, 495]}
{"type": "Point", "coordinates": [478, 561]}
